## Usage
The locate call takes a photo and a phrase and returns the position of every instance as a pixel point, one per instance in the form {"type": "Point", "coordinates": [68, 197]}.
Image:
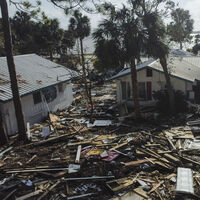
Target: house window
{"type": "Point", "coordinates": [149, 72]}
{"type": "Point", "coordinates": [141, 90]}
{"type": "Point", "coordinates": [50, 94]}
{"type": "Point", "coordinates": [60, 87]}
{"type": "Point", "coordinates": [37, 98]}
{"type": "Point", "coordinates": [123, 87]}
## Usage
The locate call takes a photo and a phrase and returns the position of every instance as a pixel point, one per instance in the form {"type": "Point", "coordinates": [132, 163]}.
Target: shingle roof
{"type": "Point", "coordinates": [187, 68]}
{"type": "Point", "coordinates": [33, 73]}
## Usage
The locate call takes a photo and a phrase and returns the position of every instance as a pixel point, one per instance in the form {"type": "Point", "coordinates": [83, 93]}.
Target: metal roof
{"type": "Point", "coordinates": [127, 71]}
{"type": "Point", "coordinates": [186, 68]}
{"type": "Point", "coordinates": [33, 73]}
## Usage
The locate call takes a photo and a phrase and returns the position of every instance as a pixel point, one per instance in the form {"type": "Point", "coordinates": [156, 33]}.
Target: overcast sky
{"type": "Point", "coordinates": [53, 12]}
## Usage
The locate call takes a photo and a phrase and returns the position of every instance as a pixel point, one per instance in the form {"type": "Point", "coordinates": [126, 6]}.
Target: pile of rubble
{"type": "Point", "coordinates": [72, 156]}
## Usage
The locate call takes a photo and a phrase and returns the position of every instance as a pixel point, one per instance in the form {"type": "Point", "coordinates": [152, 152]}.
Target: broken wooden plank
{"type": "Point", "coordinates": [190, 160]}
{"type": "Point", "coordinates": [49, 190]}
{"type": "Point", "coordinates": [27, 196]}
{"type": "Point", "coordinates": [118, 146]}
{"type": "Point", "coordinates": [122, 183]}
{"type": "Point", "coordinates": [5, 151]}
{"type": "Point", "coordinates": [155, 187]}
{"type": "Point", "coordinates": [78, 154]}
{"type": "Point", "coordinates": [89, 178]}
{"type": "Point", "coordinates": [35, 170]}
{"type": "Point", "coordinates": [137, 162]}
{"type": "Point", "coordinates": [31, 159]}
{"type": "Point", "coordinates": [141, 192]}
{"type": "Point", "coordinates": [172, 158]}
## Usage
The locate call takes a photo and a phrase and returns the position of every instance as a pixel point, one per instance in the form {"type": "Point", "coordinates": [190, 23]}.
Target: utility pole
{"type": "Point", "coordinates": [12, 71]}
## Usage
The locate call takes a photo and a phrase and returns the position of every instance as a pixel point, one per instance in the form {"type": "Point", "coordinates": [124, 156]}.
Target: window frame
{"type": "Point", "coordinates": [37, 99]}
{"type": "Point", "coordinates": [149, 72]}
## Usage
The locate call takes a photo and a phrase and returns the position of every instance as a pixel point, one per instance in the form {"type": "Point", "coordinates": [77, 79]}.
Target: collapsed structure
{"type": "Point", "coordinates": [44, 86]}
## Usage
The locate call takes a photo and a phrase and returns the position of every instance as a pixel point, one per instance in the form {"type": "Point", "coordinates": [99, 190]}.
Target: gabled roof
{"type": "Point", "coordinates": [139, 67]}
{"type": "Point", "coordinates": [33, 73]}
{"type": "Point", "coordinates": [186, 68]}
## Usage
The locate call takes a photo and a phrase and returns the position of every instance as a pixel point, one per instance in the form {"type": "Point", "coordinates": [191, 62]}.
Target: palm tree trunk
{"type": "Point", "coordinates": [135, 89]}
{"type": "Point", "coordinates": [12, 71]}
{"type": "Point", "coordinates": [163, 63]}
{"type": "Point", "coordinates": [87, 90]}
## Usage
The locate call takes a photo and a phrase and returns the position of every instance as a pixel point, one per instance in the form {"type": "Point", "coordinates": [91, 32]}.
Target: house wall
{"type": "Point", "coordinates": [35, 113]}
{"type": "Point", "coordinates": [158, 82]}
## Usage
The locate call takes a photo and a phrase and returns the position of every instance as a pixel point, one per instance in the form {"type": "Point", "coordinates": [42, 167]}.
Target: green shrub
{"type": "Point", "coordinates": [162, 99]}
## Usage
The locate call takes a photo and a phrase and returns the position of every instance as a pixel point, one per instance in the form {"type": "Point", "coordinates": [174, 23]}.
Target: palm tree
{"type": "Point", "coordinates": [80, 26]}
{"type": "Point", "coordinates": [123, 27]}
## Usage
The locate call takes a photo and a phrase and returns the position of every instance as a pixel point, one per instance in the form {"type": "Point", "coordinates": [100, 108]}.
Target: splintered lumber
{"type": "Point", "coordinates": [53, 118]}
{"type": "Point", "coordinates": [172, 158]}
{"type": "Point", "coordinates": [155, 187]}
{"type": "Point", "coordinates": [33, 157]}
{"type": "Point", "coordinates": [120, 184]}
{"type": "Point", "coordinates": [171, 143]}
{"type": "Point", "coordinates": [81, 196]}
{"type": "Point", "coordinates": [118, 146]}
{"type": "Point", "coordinates": [139, 191]}
{"type": "Point", "coordinates": [165, 165]}
{"type": "Point", "coordinates": [5, 151]}
{"type": "Point", "coordinates": [84, 142]}
{"type": "Point", "coordinates": [78, 154]}
{"type": "Point", "coordinates": [35, 170]}
{"type": "Point", "coordinates": [27, 196]}
{"type": "Point", "coordinates": [137, 162]}
{"type": "Point", "coordinates": [48, 190]}
{"type": "Point", "coordinates": [189, 160]}
{"type": "Point", "coordinates": [89, 178]}
{"type": "Point", "coordinates": [154, 155]}
{"type": "Point", "coordinates": [170, 176]}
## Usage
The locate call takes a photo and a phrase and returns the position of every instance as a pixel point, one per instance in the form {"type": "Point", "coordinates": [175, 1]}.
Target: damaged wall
{"type": "Point", "coordinates": [34, 113]}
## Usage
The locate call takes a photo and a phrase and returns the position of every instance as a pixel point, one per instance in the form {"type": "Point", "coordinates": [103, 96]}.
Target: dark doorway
{"type": "Point", "coordinates": [149, 91]}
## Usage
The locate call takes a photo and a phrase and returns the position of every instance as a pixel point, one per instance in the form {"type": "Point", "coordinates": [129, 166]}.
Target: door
{"type": "Point", "coordinates": [149, 90]}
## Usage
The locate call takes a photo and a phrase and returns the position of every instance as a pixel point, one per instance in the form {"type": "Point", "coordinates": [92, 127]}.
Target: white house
{"type": "Point", "coordinates": [184, 69]}
{"type": "Point", "coordinates": [43, 85]}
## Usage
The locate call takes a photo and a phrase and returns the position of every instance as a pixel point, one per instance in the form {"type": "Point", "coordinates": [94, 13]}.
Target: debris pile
{"type": "Point", "coordinates": [72, 156]}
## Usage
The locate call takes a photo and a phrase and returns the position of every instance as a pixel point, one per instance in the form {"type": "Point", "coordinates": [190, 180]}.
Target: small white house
{"type": "Point", "coordinates": [44, 86]}
{"type": "Point", "coordinates": [184, 71]}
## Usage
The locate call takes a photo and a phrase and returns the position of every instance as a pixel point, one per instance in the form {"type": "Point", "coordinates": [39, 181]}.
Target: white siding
{"type": "Point", "coordinates": [34, 113]}
{"type": "Point", "coordinates": [156, 80]}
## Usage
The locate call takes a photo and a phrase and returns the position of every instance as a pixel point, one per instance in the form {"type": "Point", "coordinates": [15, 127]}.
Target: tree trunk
{"type": "Point", "coordinates": [163, 63]}
{"type": "Point", "coordinates": [181, 45]}
{"type": "Point", "coordinates": [3, 134]}
{"type": "Point", "coordinates": [51, 54]}
{"type": "Point", "coordinates": [87, 90]}
{"type": "Point", "coordinates": [12, 71]}
{"type": "Point", "coordinates": [135, 89]}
